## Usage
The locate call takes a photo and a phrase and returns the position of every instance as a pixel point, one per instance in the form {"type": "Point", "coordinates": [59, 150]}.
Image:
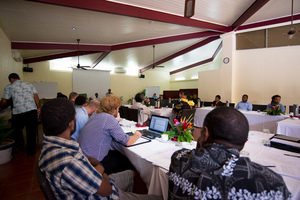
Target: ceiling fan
{"type": "Point", "coordinates": [78, 65]}
{"type": "Point", "coordinates": [292, 30]}
{"type": "Point", "coordinates": [153, 66]}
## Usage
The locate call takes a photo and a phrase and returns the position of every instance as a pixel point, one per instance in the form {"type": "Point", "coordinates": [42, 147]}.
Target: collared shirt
{"type": "Point", "coordinates": [278, 105]}
{"type": "Point", "coordinates": [69, 172]}
{"type": "Point", "coordinates": [155, 97]}
{"type": "Point", "coordinates": [22, 95]}
{"type": "Point", "coordinates": [81, 118]}
{"type": "Point", "coordinates": [96, 136]}
{"type": "Point", "coordinates": [244, 106]}
{"type": "Point", "coordinates": [217, 172]}
{"type": "Point", "coordinates": [146, 110]}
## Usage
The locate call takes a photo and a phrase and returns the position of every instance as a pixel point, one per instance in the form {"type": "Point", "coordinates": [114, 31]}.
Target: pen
{"type": "Point", "coordinates": [291, 155]}
{"type": "Point", "coordinates": [270, 166]}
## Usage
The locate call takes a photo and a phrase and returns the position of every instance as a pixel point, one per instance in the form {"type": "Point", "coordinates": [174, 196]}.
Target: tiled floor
{"type": "Point", "coordinates": [18, 177]}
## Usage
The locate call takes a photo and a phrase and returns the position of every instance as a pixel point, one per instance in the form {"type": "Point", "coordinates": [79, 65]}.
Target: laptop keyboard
{"type": "Point", "coordinates": [150, 134]}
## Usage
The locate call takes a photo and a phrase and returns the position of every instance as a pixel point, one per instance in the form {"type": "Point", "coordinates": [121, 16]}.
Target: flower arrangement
{"type": "Point", "coordinates": [181, 131]}
{"type": "Point", "coordinates": [147, 102]}
{"type": "Point", "coordinates": [190, 102]}
{"type": "Point", "coordinates": [275, 110]}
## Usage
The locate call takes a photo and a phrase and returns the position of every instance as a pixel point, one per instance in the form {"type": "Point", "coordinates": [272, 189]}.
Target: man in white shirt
{"type": "Point", "coordinates": [139, 98]}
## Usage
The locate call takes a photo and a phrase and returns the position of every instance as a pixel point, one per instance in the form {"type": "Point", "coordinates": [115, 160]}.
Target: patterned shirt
{"type": "Point", "coordinates": [81, 118]}
{"type": "Point", "coordinates": [69, 172]}
{"type": "Point", "coordinates": [244, 106]}
{"type": "Point", "coordinates": [217, 172]}
{"type": "Point", "coordinates": [96, 136]}
{"type": "Point", "coordinates": [22, 95]}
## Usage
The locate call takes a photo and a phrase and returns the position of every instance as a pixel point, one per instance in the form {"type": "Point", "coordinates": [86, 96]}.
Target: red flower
{"type": "Point", "coordinates": [174, 138]}
{"type": "Point", "coordinates": [175, 121]}
{"type": "Point", "coordinates": [184, 126]}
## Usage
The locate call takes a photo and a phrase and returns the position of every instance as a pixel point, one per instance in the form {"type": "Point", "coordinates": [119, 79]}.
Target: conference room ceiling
{"type": "Point", "coordinates": [121, 34]}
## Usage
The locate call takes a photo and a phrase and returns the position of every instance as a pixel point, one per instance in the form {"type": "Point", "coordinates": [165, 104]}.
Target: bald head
{"type": "Point", "coordinates": [227, 125]}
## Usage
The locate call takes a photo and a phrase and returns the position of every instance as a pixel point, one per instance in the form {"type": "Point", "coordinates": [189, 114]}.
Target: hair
{"type": "Point", "coordinates": [186, 93]}
{"type": "Point", "coordinates": [13, 76]}
{"type": "Point", "coordinates": [72, 95]}
{"type": "Point", "coordinates": [227, 124]}
{"type": "Point", "coordinates": [139, 97]}
{"type": "Point", "coordinates": [245, 95]}
{"type": "Point", "coordinates": [56, 115]}
{"type": "Point", "coordinates": [109, 104]}
{"type": "Point", "coordinates": [273, 97]}
{"type": "Point", "coordinates": [93, 103]}
{"type": "Point", "coordinates": [80, 100]}
{"type": "Point", "coordinates": [218, 96]}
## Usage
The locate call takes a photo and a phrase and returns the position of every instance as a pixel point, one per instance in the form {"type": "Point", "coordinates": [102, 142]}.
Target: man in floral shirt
{"type": "Point", "coordinates": [215, 171]}
{"type": "Point", "coordinates": [184, 103]}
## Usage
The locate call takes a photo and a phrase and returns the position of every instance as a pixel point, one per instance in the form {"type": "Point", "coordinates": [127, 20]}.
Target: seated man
{"type": "Point", "coordinates": [215, 171]}
{"type": "Point", "coordinates": [70, 173]}
{"type": "Point", "coordinates": [276, 103]}
{"type": "Point", "coordinates": [73, 96]}
{"type": "Point", "coordinates": [154, 96]}
{"type": "Point", "coordinates": [82, 116]}
{"type": "Point", "coordinates": [139, 98]}
{"type": "Point", "coordinates": [80, 101]}
{"type": "Point", "coordinates": [184, 103]}
{"type": "Point", "coordinates": [244, 104]}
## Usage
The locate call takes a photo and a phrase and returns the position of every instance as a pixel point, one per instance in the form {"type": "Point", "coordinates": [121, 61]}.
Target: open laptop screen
{"type": "Point", "coordinates": [159, 123]}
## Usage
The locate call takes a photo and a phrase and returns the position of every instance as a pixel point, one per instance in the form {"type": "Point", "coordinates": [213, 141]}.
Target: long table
{"type": "Point", "coordinates": [289, 127]}
{"type": "Point", "coordinates": [257, 120]}
{"type": "Point", "coordinates": [152, 160]}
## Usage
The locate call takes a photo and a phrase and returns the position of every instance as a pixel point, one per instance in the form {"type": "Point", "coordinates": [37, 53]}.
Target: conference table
{"type": "Point", "coordinates": [258, 121]}
{"type": "Point", "coordinates": [289, 127]}
{"type": "Point", "coordinates": [152, 160]}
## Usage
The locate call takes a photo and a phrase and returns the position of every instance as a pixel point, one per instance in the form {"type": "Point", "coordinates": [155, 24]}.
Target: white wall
{"type": "Point", "coordinates": [260, 73]}
{"type": "Point", "coordinates": [7, 63]}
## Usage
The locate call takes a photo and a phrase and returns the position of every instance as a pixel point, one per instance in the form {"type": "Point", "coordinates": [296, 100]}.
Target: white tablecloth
{"type": "Point", "coordinates": [167, 112]}
{"type": "Point", "coordinates": [289, 127]}
{"type": "Point", "coordinates": [257, 120]}
{"type": "Point", "coordinates": [152, 160]}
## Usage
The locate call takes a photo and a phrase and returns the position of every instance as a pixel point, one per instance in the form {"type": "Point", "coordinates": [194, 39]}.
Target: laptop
{"type": "Point", "coordinates": [158, 125]}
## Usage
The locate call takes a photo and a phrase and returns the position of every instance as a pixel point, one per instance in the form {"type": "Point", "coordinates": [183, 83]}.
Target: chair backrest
{"type": "Point", "coordinates": [207, 103]}
{"type": "Point", "coordinates": [124, 112]}
{"type": "Point", "coordinates": [231, 105]}
{"type": "Point", "coordinates": [259, 107]}
{"type": "Point", "coordinates": [133, 114]}
{"type": "Point", "coordinates": [187, 113]}
{"type": "Point", "coordinates": [291, 109]}
{"type": "Point", "coordinates": [44, 184]}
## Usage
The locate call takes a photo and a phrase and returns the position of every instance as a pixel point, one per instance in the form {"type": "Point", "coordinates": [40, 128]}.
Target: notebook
{"type": "Point", "coordinates": [158, 125]}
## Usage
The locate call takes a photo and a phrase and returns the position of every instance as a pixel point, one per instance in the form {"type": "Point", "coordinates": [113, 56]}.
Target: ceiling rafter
{"type": "Point", "coordinates": [170, 57]}
{"type": "Point", "coordinates": [127, 10]}
{"type": "Point", "coordinates": [269, 22]}
{"type": "Point", "coordinates": [248, 13]}
{"type": "Point", "coordinates": [57, 56]}
{"type": "Point", "coordinates": [202, 62]}
{"type": "Point", "coordinates": [100, 58]}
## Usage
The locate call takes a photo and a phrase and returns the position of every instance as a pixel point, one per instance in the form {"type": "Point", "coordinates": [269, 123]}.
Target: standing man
{"type": "Point", "coordinates": [244, 104]}
{"type": "Point", "coordinates": [109, 92]}
{"type": "Point", "coordinates": [97, 97]}
{"type": "Point", "coordinates": [25, 111]}
{"type": "Point", "coordinates": [82, 116]}
{"type": "Point", "coordinates": [276, 103]}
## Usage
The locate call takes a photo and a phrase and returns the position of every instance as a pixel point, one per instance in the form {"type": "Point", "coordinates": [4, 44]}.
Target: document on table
{"type": "Point", "coordinates": [139, 141]}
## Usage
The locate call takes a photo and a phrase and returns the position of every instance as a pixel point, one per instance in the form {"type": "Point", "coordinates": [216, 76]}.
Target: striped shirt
{"type": "Point", "coordinates": [69, 172]}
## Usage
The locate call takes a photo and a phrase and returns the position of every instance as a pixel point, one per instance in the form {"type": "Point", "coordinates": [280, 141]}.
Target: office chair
{"type": "Point", "coordinates": [44, 184]}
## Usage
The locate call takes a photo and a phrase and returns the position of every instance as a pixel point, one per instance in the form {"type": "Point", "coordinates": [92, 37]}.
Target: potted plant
{"type": "Point", "coordinates": [181, 131]}
{"type": "Point", "coordinates": [6, 143]}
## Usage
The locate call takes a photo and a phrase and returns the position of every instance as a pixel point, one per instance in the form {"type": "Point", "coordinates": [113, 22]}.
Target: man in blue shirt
{"type": "Point", "coordinates": [109, 92]}
{"type": "Point", "coordinates": [82, 116]}
{"type": "Point", "coordinates": [244, 104]}
{"type": "Point", "coordinates": [276, 103]}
